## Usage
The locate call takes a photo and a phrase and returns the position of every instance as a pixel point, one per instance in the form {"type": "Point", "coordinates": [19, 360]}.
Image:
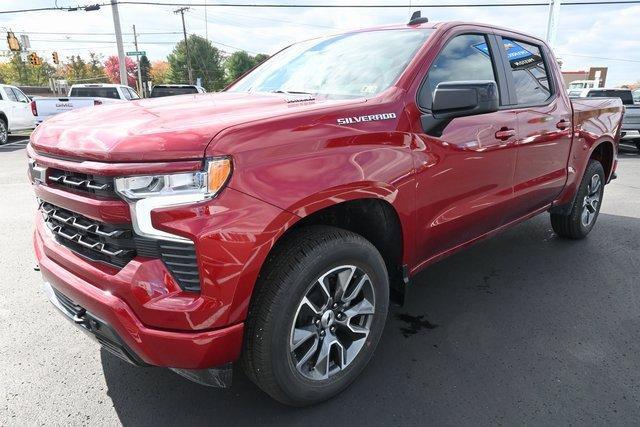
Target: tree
{"type": "Point", "coordinates": [17, 72]}
{"type": "Point", "coordinates": [205, 60]}
{"type": "Point", "coordinates": [112, 69]}
{"type": "Point", "coordinates": [159, 72]}
{"type": "Point", "coordinates": [237, 64]}
{"type": "Point", "coordinates": [260, 58]}
{"type": "Point", "coordinates": [145, 68]}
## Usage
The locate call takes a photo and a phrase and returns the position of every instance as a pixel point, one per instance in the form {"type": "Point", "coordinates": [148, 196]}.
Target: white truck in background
{"type": "Point", "coordinates": [81, 95]}
{"type": "Point", "coordinates": [15, 114]}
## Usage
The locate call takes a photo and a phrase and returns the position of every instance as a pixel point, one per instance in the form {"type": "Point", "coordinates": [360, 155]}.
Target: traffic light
{"type": "Point", "coordinates": [12, 41]}
{"type": "Point", "coordinates": [34, 59]}
{"type": "Point", "coordinates": [56, 60]}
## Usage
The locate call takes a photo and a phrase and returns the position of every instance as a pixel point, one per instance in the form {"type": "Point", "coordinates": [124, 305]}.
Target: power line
{"type": "Point", "coordinates": [599, 57]}
{"type": "Point", "coordinates": [93, 34]}
{"type": "Point", "coordinates": [323, 6]}
{"type": "Point", "coordinates": [360, 6]}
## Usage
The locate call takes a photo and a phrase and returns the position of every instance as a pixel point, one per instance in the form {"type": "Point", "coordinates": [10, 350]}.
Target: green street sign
{"type": "Point", "coordinates": [136, 53]}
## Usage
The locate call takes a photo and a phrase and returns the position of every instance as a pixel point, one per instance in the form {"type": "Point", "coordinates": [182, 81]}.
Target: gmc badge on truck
{"type": "Point", "coordinates": [369, 118]}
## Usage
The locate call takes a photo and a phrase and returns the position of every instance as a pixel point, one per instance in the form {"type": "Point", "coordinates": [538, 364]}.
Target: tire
{"type": "Point", "coordinates": [586, 206]}
{"type": "Point", "coordinates": [638, 145]}
{"type": "Point", "coordinates": [278, 313]}
{"type": "Point", "coordinates": [4, 132]}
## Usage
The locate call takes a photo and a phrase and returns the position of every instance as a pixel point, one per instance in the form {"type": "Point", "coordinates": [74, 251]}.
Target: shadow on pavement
{"type": "Point", "coordinates": [520, 328]}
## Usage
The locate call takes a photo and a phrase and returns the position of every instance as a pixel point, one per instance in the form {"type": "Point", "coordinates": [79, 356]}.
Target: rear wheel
{"type": "Point", "coordinates": [586, 207]}
{"type": "Point", "coordinates": [318, 313]}
{"type": "Point", "coordinates": [4, 132]}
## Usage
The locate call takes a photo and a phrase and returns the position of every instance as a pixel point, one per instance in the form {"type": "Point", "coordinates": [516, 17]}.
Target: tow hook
{"type": "Point", "coordinates": [79, 317]}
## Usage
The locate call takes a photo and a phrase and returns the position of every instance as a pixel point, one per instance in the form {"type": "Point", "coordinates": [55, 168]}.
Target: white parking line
{"type": "Point", "coordinates": [20, 141]}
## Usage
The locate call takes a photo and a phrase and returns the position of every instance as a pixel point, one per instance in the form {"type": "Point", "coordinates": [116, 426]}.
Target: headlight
{"type": "Point", "coordinates": [145, 193]}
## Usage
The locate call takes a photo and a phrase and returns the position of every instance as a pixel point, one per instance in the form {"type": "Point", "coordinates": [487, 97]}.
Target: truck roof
{"type": "Point", "coordinates": [446, 25]}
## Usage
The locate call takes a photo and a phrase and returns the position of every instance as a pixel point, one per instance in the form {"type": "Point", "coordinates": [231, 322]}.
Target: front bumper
{"type": "Point", "coordinates": [124, 334]}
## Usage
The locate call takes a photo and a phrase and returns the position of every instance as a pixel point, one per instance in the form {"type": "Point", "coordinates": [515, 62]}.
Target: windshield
{"type": "Point", "coordinates": [345, 66]}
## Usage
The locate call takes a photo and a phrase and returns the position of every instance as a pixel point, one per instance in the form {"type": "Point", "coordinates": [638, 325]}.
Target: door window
{"type": "Point", "coordinates": [465, 57]}
{"type": "Point", "coordinates": [21, 97]}
{"type": "Point", "coordinates": [10, 94]}
{"type": "Point", "coordinates": [126, 93]}
{"type": "Point", "coordinates": [530, 76]}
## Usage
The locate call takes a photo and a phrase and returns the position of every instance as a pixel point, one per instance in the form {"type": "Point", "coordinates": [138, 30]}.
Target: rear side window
{"type": "Point", "coordinates": [530, 76]}
{"type": "Point", "coordinates": [466, 57]}
{"type": "Point", "coordinates": [95, 92]}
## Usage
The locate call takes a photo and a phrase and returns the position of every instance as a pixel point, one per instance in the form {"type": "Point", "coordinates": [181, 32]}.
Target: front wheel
{"type": "Point", "coordinates": [586, 207]}
{"type": "Point", "coordinates": [318, 313]}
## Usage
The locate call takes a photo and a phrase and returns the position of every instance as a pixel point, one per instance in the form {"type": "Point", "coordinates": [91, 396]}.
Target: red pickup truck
{"type": "Point", "coordinates": [271, 224]}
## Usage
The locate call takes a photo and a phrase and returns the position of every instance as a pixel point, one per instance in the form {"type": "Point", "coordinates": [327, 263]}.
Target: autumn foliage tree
{"type": "Point", "coordinates": [112, 68]}
{"type": "Point", "coordinates": [159, 72]}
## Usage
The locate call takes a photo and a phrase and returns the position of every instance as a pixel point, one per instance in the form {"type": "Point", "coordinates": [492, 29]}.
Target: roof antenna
{"type": "Point", "coordinates": [416, 18]}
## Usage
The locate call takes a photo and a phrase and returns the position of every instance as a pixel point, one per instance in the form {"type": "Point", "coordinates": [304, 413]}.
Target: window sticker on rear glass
{"type": "Point", "coordinates": [519, 57]}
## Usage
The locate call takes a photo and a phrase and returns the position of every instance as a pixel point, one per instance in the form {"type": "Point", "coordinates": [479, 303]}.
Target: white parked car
{"type": "Point", "coordinates": [15, 112]}
{"type": "Point", "coordinates": [82, 95]}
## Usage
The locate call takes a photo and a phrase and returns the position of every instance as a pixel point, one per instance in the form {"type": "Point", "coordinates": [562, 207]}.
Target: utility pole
{"type": "Point", "coordinates": [206, 23]}
{"type": "Point", "coordinates": [552, 22]}
{"type": "Point", "coordinates": [135, 41]}
{"type": "Point", "coordinates": [181, 11]}
{"type": "Point", "coordinates": [116, 26]}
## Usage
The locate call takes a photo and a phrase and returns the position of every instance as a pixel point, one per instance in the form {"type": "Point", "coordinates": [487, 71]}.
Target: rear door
{"type": "Point", "coordinates": [465, 174]}
{"type": "Point", "coordinates": [544, 124]}
{"type": "Point", "coordinates": [23, 109]}
{"type": "Point", "coordinates": [16, 110]}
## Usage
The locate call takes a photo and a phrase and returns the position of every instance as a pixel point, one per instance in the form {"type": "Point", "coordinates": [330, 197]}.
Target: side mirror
{"type": "Point", "coordinates": [459, 99]}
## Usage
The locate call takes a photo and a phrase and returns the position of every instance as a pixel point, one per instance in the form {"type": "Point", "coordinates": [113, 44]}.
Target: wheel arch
{"type": "Point", "coordinates": [369, 211]}
{"type": "Point", "coordinates": [604, 152]}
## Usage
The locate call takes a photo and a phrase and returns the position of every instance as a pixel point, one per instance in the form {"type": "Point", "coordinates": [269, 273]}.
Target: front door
{"type": "Point", "coordinates": [465, 174]}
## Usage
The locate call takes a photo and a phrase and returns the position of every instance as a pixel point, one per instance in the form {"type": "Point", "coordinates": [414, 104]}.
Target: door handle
{"type": "Point", "coordinates": [563, 124]}
{"type": "Point", "coordinates": [505, 133]}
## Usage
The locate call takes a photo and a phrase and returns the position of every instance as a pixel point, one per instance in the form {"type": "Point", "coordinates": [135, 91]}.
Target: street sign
{"type": "Point", "coordinates": [136, 53]}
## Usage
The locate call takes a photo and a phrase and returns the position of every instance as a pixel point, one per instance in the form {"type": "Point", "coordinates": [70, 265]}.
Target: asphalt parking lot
{"type": "Point", "coordinates": [524, 328]}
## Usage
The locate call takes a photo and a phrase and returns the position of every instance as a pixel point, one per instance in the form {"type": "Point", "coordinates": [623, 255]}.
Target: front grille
{"type": "Point", "coordinates": [92, 239]}
{"type": "Point", "coordinates": [631, 120]}
{"type": "Point", "coordinates": [95, 184]}
{"type": "Point", "coordinates": [117, 245]}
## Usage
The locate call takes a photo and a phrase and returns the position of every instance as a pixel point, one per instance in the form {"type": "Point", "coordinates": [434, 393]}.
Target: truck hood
{"type": "Point", "coordinates": [161, 129]}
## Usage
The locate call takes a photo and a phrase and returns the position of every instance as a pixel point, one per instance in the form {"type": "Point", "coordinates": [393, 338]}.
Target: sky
{"type": "Point", "coordinates": [591, 35]}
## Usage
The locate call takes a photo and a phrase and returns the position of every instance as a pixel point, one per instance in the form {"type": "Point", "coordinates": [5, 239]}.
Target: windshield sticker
{"type": "Point", "coordinates": [369, 118]}
{"type": "Point", "coordinates": [369, 89]}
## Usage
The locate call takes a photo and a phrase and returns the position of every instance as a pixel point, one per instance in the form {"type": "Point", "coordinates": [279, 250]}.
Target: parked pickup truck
{"type": "Point", "coordinates": [15, 114]}
{"type": "Point", "coordinates": [631, 118]}
{"type": "Point", "coordinates": [273, 223]}
{"type": "Point", "coordinates": [81, 95]}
